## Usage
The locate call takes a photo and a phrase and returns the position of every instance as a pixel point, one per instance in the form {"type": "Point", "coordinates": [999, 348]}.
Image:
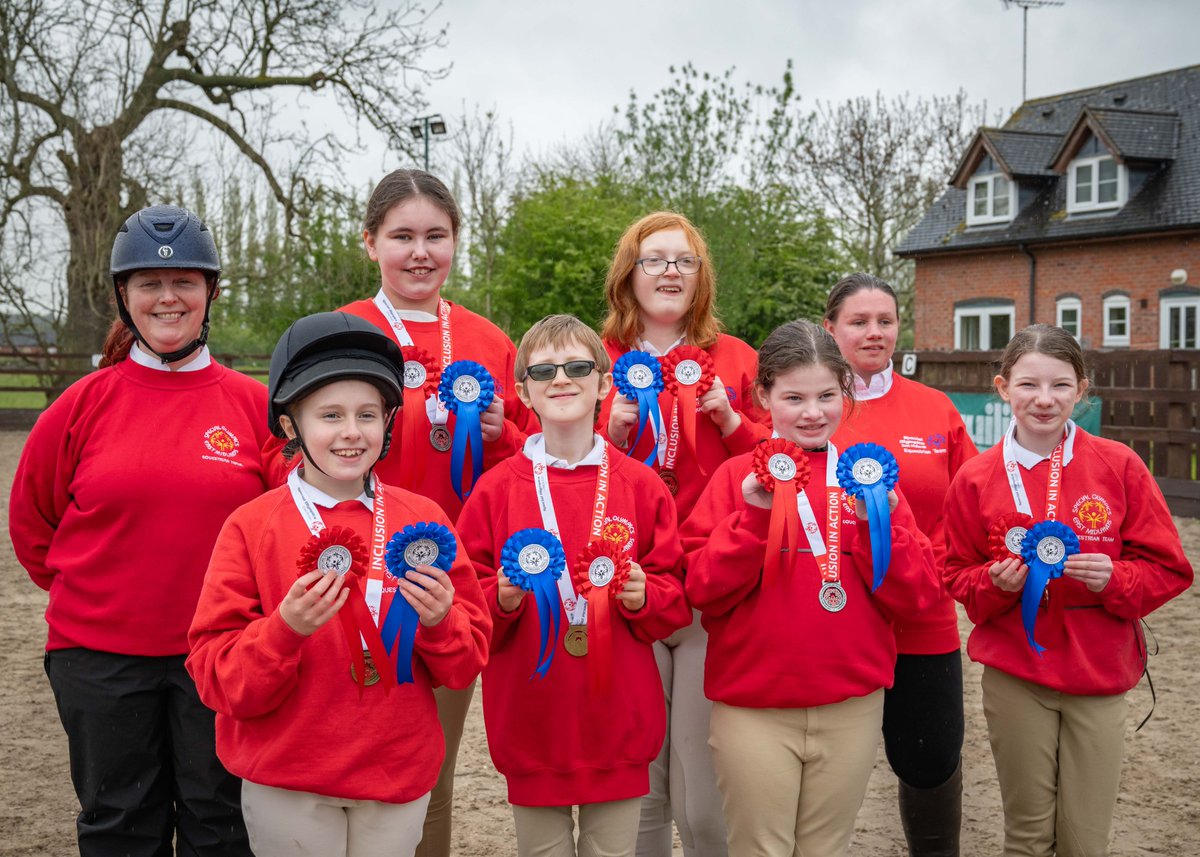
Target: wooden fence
{"type": "Point", "coordinates": [1149, 399]}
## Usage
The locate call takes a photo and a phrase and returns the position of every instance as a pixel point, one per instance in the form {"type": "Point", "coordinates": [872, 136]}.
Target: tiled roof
{"type": "Point", "coordinates": [1150, 119]}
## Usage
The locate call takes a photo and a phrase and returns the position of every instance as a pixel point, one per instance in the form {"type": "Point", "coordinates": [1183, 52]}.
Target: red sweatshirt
{"type": "Point", "coordinates": [556, 743]}
{"type": "Point", "coordinates": [121, 490]}
{"type": "Point", "coordinates": [920, 426]}
{"type": "Point", "coordinates": [736, 364]}
{"type": "Point", "coordinates": [1113, 504]}
{"type": "Point", "coordinates": [288, 713]}
{"type": "Point", "coordinates": [785, 650]}
{"type": "Point", "coordinates": [473, 337]}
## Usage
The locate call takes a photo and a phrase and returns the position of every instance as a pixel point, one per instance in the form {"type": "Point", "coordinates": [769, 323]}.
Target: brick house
{"type": "Point", "coordinates": [1083, 210]}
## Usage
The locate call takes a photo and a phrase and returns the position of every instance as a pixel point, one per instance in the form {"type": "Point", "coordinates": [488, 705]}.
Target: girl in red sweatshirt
{"type": "Point", "coordinates": [801, 649]}
{"type": "Point", "coordinates": [661, 291]}
{"type": "Point", "coordinates": [1057, 544]}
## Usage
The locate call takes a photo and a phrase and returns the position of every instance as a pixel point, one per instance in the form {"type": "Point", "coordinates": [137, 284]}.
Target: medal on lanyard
{"type": "Point", "coordinates": [1006, 534]}
{"type": "Point", "coordinates": [638, 377]}
{"type": "Point", "coordinates": [688, 374]}
{"type": "Point", "coordinates": [601, 571]}
{"type": "Point", "coordinates": [424, 543]}
{"type": "Point", "coordinates": [533, 560]}
{"type": "Point", "coordinates": [339, 550]}
{"type": "Point", "coordinates": [869, 471]}
{"type": "Point", "coordinates": [832, 597]}
{"type": "Point", "coordinates": [1045, 549]}
{"type": "Point", "coordinates": [467, 389]}
{"type": "Point", "coordinates": [421, 376]}
{"type": "Point", "coordinates": [781, 468]}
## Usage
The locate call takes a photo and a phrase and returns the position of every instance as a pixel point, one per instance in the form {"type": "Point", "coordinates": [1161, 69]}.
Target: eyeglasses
{"type": "Point", "coordinates": [656, 267]}
{"type": "Point", "coordinates": [572, 369]}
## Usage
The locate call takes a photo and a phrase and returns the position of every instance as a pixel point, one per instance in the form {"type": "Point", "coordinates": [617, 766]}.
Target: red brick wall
{"type": "Point", "coordinates": [1142, 267]}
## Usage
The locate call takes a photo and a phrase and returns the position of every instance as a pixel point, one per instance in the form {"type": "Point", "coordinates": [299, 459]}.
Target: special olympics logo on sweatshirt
{"type": "Point", "coordinates": [1091, 515]}
{"type": "Point", "coordinates": [620, 530]}
{"type": "Point", "coordinates": [221, 441]}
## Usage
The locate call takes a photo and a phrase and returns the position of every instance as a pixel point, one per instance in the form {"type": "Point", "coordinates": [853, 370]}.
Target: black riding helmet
{"type": "Point", "coordinates": [165, 236]}
{"type": "Point", "coordinates": [333, 346]}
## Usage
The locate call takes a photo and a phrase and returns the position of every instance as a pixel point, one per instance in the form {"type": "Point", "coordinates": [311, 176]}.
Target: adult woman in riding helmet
{"type": "Point", "coordinates": [121, 490]}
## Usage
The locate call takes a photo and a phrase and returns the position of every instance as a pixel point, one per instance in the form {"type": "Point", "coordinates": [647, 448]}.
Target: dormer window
{"type": "Point", "coordinates": [1096, 184]}
{"type": "Point", "coordinates": [992, 198]}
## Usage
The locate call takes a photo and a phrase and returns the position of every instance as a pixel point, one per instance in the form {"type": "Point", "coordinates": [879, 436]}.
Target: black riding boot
{"type": "Point", "coordinates": [932, 817]}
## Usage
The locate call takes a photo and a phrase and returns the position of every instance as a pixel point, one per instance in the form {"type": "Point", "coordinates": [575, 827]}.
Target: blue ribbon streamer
{"type": "Point", "coordinates": [401, 620]}
{"type": "Point", "coordinates": [468, 429]}
{"type": "Point", "coordinates": [646, 397]}
{"type": "Point", "coordinates": [543, 585]}
{"type": "Point", "coordinates": [1042, 572]}
{"type": "Point", "coordinates": [875, 496]}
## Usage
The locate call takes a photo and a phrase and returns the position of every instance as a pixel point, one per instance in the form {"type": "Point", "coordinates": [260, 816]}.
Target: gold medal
{"type": "Point", "coordinates": [439, 438]}
{"type": "Point", "coordinates": [670, 480]}
{"type": "Point", "coordinates": [372, 672]}
{"type": "Point", "coordinates": [575, 641]}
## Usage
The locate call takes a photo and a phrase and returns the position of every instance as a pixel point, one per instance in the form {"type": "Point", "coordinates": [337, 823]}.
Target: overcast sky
{"type": "Point", "coordinates": [556, 69]}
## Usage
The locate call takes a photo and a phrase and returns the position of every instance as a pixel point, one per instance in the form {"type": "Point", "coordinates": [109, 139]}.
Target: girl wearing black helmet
{"type": "Point", "coordinates": [333, 724]}
{"type": "Point", "coordinates": [121, 490]}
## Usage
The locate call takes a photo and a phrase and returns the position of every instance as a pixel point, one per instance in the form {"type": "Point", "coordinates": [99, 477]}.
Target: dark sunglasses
{"type": "Point", "coordinates": [572, 368]}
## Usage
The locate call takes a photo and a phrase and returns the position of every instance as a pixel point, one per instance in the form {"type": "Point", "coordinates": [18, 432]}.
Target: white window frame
{"type": "Point", "coordinates": [1111, 303]}
{"type": "Point", "coordinates": [1064, 304]}
{"type": "Point", "coordinates": [989, 179]}
{"type": "Point", "coordinates": [1179, 302]}
{"type": "Point", "coordinates": [984, 313]}
{"type": "Point", "coordinates": [1094, 162]}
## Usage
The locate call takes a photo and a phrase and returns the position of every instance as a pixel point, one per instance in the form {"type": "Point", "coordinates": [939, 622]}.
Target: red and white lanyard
{"type": "Point", "coordinates": [373, 593]}
{"type": "Point", "coordinates": [435, 408]}
{"type": "Point", "coordinates": [1012, 469]}
{"type": "Point", "coordinates": [575, 606]}
{"type": "Point", "coordinates": [828, 561]}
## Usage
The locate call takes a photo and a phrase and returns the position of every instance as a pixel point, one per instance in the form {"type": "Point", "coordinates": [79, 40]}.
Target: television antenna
{"type": "Point", "coordinates": [1025, 6]}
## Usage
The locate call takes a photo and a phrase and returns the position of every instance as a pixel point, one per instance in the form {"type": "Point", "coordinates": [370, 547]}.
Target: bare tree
{"type": "Point", "coordinates": [875, 166]}
{"type": "Point", "coordinates": [101, 99]}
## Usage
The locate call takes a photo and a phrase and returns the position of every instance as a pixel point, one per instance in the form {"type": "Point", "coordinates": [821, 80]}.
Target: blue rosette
{"type": "Point", "coordinates": [638, 377]}
{"type": "Point", "coordinates": [466, 389]}
{"type": "Point", "coordinates": [424, 543]}
{"type": "Point", "coordinates": [533, 559]}
{"type": "Point", "coordinates": [869, 471]}
{"type": "Point", "coordinates": [1044, 549]}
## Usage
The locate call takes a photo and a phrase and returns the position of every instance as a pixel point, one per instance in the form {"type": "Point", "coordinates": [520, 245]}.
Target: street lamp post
{"type": "Point", "coordinates": [423, 126]}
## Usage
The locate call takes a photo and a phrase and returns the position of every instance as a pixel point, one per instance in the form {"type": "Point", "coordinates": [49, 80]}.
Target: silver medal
{"type": "Point", "coordinates": [334, 558]}
{"type": "Point", "coordinates": [1013, 539]}
{"type": "Point", "coordinates": [533, 559]}
{"type": "Point", "coordinates": [601, 571]}
{"type": "Point", "coordinates": [832, 596]}
{"type": "Point", "coordinates": [782, 467]}
{"type": "Point", "coordinates": [1051, 550]}
{"type": "Point", "coordinates": [640, 375]}
{"type": "Point", "coordinates": [466, 388]}
{"type": "Point", "coordinates": [688, 372]}
{"type": "Point", "coordinates": [867, 471]}
{"type": "Point", "coordinates": [414, 374]}
{"type": "Point", "coordinates": [421, 552]}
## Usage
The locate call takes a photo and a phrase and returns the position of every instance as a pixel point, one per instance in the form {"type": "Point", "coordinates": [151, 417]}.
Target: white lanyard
{"type": "Point", "coordinates": [373, 593]}
{"type": "Point", "coordinates": [435, 408]}
{"type": "Point", "coordinates": [1012, 470]}
{"type": "Point", "coordinates": [575, 606]}
{"type": "Point", "coordinates": [827, 562]}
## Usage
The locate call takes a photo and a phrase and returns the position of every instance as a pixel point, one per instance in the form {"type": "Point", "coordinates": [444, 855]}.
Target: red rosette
{"type": "Point", "coordinates": [688, 374]}
{"type": "Point", "coordinates": [771, 461]}
{"type": "Point", "coordinates": [615, 567]}
{"type": "Point", "coordinates": [413, 420]}
{"type": "Point", "coordinates": [342, 551]}
{"type": "Point", "coordinates": [998, 546]}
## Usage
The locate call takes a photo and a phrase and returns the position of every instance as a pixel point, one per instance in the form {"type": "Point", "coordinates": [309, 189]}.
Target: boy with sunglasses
{"type": "Point", "coordinates": [585, 733]}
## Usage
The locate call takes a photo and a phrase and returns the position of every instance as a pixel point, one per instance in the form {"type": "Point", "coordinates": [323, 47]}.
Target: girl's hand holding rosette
{"type": "Point", "coordinates": [781, 469]}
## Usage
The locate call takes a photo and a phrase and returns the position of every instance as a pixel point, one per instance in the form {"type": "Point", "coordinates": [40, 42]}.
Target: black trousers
{"type": "Point", "coordinates": [143, 758]}
{"type": "Point", "coordinates": [923, 718]}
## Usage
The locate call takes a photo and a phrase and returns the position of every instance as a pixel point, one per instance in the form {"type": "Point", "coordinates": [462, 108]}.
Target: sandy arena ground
{"type": "Point", "coordinates": [1158, 812]}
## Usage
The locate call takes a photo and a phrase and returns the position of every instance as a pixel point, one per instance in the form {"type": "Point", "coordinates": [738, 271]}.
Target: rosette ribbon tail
{"type": "Point", "coordinates": [399, 632]}
{"type": "Point", "coordinates": [648, 412]}
{"type": "Point", "coordinates": [879, 522]}
{"type": "Point", "coordinates": [410, 418]}
{"type": "Point", "coordinates": [434, 545]}
{"type": "Point", "coordinates": [545, 593]}
{"type": "Point", "coordinates": [785, 520]}
{"type": "Point", "coordinates": [686, 400]}
{"type": "Point", "coordinates": [1045, 549]}
{"type": "Point", "coordinates": [600, 641]}
{"type": "Point", "coordinates": [468, 435]}
{"type": "Point", "coordinates": [359, 627]}
{"type": "Point", "coordinates": [870, 471]}
{"type": "Point", "coordinates": [1031, 598]}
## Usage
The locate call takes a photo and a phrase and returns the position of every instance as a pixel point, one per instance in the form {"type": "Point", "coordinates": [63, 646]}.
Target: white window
{"type": "Point", "coordinates": [1179, 322]}
{"type": "Point", "coordinates": [1069, 315]}
{"type": "Point", "coordinates": [1116, 321]}
{"type": "Point", "coordinates": [982, 328]}
{"type": "Point", "coordinates": [1096, 184]}
{"type": "Point", "coordinates": [991, 199]}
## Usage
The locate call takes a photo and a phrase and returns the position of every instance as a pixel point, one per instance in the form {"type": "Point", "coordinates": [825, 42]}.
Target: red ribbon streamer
{"type": "Point", "coordinates": [600, 632]}
{"type": "Point", "coordinates": [412, 418]}
{"type": "Point", "coordinates": [785, 517]}
{"type": "Point", "coordinates": [687, 396]}
{"type": "Point", "coordinates": [357, 623]}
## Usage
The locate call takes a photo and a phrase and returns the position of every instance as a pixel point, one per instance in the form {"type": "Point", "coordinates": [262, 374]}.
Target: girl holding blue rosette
{"type": "Point", "coordinates": [330, 608]}
{"type": "Point", "coordinates": [682, 403]}
{"type": "Point", "coordinates": [1058, 544]}
{"type": "Point", "coordinates": [801, 644]}
{"type": "Point", "coordinates": [578, 552]}
{"type": "Point", "coordinates": [461, 416]}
